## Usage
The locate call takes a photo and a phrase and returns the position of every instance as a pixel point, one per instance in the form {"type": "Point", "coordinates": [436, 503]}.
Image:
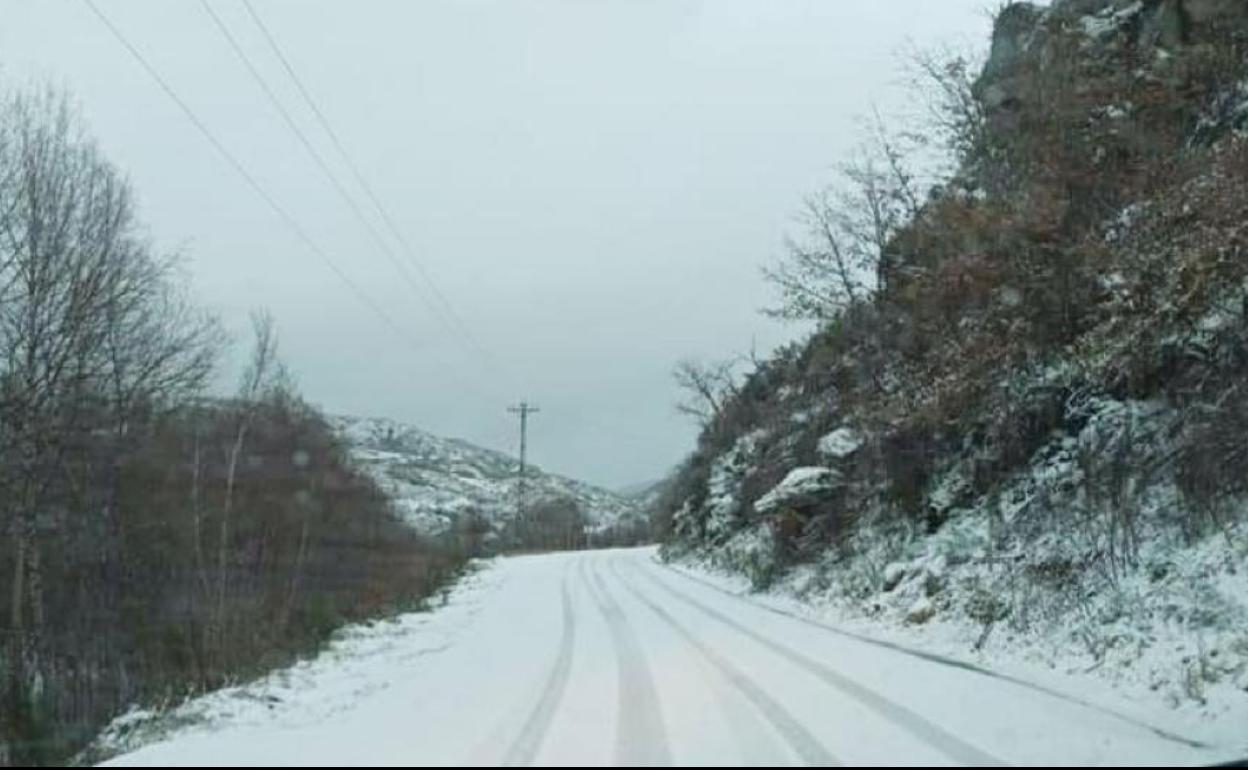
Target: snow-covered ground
{"type": "Point", "coordinates": [609, 657]}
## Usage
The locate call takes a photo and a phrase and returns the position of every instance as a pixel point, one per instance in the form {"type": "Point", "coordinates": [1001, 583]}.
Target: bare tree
{"type": "Point", "coordinates": [64, 219]}
{"type": "Point", "coordinates": [263, 372]}
{"type": "Point", "coordinates": [88, 330]}
{"type": "Point", "coordinates": [848, 248]}
{"type": "Point", "coordinates": [707, 386]}
{"type": "Point", "coordinates": [104, 431]}
{"type": "Point", "coordinates": [846, 254]}
{"type": "Point", "coordinates": [159, 346]}
{"type": "Point", "coordinates": [942, 82]}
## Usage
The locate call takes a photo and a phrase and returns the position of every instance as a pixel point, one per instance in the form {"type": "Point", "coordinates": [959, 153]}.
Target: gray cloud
{"type": "Point", "coordinates": [593, 184]}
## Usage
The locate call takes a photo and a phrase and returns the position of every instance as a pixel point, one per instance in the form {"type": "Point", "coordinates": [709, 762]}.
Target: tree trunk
{"type": "Point", "coordinates": [224, 538]}
{"type": "Point", "coordinates": [19, 575]}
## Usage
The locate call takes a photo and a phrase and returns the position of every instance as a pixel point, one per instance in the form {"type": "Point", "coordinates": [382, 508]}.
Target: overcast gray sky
{"type": "Point", "coordinates": [592, 185]}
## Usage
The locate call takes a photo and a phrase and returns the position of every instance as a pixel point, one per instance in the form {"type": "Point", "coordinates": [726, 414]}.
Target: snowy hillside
{"type": "Point", "coordinates": [436, 482]}
{"type": "Point", "coordinates": [1030, 435]}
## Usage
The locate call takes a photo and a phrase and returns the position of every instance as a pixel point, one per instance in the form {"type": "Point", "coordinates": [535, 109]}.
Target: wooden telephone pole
{"type": "Point", "coordinates": [524, 409]}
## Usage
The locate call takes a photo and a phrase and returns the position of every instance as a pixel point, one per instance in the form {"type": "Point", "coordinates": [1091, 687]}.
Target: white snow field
{"type": "Point", "coordinates": [610, 658]}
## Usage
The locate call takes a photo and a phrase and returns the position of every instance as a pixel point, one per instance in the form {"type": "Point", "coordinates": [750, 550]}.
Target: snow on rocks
{"type": "Point", "coordinates": [800, 417]}
{"type": "Point", "coordinates": [926, 577]}
{"type": "Point", "coordinates": [723, 502]}
{"type": "Point", "coordinates": [921, 611]}
{"type": "Point", "coordinates": [1109, 20]}
{"type": "Point", "coordinates": [800, 487]}
{"type": "Point", "coordinates": [950, 492]}
{"type": "Point", "coordinates": [840, 443]}
{"type": "Point", "coordinates": [893, 574]}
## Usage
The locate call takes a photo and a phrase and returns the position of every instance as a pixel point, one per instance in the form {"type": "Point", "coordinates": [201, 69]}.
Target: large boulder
{"type": "Point", "coordinates": [840, 443]}
{"type": "Point", "coordinates": [800, 488]}
{"type": "Point", "coordinates": [1022, 32]}
{"type": "Point", "coordinates": [921, 611]}
{"type": "Point", "coordinates": [1011, 36]}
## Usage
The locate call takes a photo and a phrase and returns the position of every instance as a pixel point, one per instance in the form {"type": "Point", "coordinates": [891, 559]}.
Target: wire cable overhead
{"type": "Point", "coordinates": [249, 179]}
{"type": "Point", "coordinates": [383, 212]}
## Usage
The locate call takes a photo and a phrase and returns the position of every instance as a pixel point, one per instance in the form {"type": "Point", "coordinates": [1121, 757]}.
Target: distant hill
{"type": "Point", "coordinates": [436, 482]}
{"type": "Point", "coordinates": [637, 490]}
{"type": "Point", "coordinates": [647, 495]}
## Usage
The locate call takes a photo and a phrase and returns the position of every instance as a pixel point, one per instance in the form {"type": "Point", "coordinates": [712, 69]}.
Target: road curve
{"type": "Point", "coordinates": [608, 658]}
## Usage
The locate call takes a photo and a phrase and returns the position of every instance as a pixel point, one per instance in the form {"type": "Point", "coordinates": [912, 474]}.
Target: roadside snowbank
{"type": "Point", "coordinates": [358, 662]}
{"type": "Point", "coordinates": [1144, 661]}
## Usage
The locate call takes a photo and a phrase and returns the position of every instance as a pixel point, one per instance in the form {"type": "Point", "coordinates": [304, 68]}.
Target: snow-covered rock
{"type": "Point", "coordinates": [893, 574]}
{"type": "Point", "coordinates": [921, 611]}
{"type": "Point", "coordinates": [800, 487]}
{"type": "Point", "coordinates": [1109, 20]}
{"type": "Point", "coordinates": [840, 443]}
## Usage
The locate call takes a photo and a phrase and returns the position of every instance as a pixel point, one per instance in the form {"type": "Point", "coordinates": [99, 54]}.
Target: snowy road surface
{"type": "Point", "coordinates": [607, 658]}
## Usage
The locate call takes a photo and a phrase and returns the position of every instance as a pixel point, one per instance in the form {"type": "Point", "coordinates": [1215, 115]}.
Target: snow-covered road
{"type": "Point", "coordinates": [608, 658]}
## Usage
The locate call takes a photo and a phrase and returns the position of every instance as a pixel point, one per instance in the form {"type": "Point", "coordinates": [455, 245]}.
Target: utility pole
{"type": "Point", "coordinates": [524, 409]}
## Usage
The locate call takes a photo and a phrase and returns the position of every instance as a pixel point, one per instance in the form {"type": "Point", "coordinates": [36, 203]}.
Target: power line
{"type": "Point", "coordinates": [280, 211]}
{"type": "Point", "coordinates": [360, 179]}
{"type": "Point", "coordinates": [277, 208]}
{"type": "Point", "coordinates": [251, 181]}
{"type": "Point", "coordinates": [316, 156]}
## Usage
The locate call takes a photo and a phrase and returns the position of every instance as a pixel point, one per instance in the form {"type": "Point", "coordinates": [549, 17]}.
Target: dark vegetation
{"type": "Point", "coordinates": [549, 523]}
{"type": "Point", "coordinates": [155, 543]}
{"type": "Point", "coordinates": [1086, 248]}
{"type": "Point", "coordinates": [552, 523]}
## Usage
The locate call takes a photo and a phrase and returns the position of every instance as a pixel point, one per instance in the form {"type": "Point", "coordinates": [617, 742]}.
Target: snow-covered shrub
{"type": "Point", "coordinates": [753, 552]}
{"type": "Point", "coordinates": [723, 506]}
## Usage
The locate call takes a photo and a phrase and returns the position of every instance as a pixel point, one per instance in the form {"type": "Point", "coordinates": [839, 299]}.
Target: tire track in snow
{"type": "Point", "coordinates": [803, 743]}
{"type": "Point", "coordinates": [524, 748]}
{"type": "Point", "coordinates": [641, 737]}
{"type": "Point", "coordinates": [934, 735]}
{"type": "Point", "coordinates": [944, 660]}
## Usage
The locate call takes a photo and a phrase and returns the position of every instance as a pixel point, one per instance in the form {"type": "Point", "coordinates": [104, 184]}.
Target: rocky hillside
{"type": "Point", "coordinates": [1032, 430]}
{"type": "Point", "coordinates": [446, 487]}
